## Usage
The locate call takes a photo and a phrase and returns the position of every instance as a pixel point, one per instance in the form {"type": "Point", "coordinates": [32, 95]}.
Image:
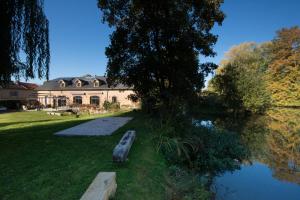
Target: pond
{"type": "Point", "coordinates": [273, 169]}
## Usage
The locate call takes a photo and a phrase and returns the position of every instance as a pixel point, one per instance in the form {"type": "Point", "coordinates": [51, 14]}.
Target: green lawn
{"type": "Point", "coordinates": [35, 164]}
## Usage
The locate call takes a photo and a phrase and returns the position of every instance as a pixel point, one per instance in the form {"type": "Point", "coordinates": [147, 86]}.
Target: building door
{"type": "Point", "coordinates": [54, 102]}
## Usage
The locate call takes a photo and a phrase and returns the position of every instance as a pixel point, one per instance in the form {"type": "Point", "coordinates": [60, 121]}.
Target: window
{"type": "Point", "coordinates": [114, 99]}
{"type": "Point", "coordinates": [61, 101]}
{"type": "Point", "coordinates": [13, 93]}
{"type": "Point", "coordinates": [77, 100]}
{"type": "Point", "coordinates": [94, 100]}
{"type": "Point", "coordinates": [78, 83]}
{"type": "Point", "coordinates": [96, 83]}
{"type": "Point", "coordinates": [62, 83]}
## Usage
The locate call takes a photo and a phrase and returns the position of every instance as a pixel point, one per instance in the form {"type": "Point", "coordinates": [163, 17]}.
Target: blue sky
{"type": "Point", "coordinates": [78, 38]}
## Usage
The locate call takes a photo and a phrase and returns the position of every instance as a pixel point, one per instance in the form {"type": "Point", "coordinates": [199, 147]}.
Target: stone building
{"type": "Point", "coordinates": [18, 91]}
{"type": "Point", "coordinates": [84, 90]}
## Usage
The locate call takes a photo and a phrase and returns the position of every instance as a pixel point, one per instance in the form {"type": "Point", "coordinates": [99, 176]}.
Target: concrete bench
{"type": "Point", "coordinates": [121, 151]}
{"type": "Point", "coordinates": [103, 187]}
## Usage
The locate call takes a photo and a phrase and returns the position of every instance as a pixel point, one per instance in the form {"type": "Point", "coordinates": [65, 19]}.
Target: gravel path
{"type": "Point", "coordinates": [97, 127]}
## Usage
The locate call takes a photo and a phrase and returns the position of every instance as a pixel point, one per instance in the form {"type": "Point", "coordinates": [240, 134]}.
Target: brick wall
{"type": "Point", "coordinates": [46, 97]}
{"type": "Point", "coordinates": [15, 94]}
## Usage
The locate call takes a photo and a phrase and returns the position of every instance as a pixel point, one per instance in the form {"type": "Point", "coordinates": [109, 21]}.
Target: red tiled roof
{"type": "Point", "coordinates": [21, 85]}
{"type": "Point", "coordinates": [29, 86]}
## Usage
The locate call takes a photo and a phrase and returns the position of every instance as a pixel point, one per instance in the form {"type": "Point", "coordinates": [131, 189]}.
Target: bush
{"type": "Point", "coordinates": [33, 104]}
{"type": "Point", "coordinates": [202, 149]}
{"type": "Point", "coordinates": [197, 153]}
{"type": "Point", "coordinates": [111, 106]}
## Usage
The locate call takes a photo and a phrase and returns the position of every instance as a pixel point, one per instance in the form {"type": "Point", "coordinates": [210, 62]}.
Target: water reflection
{"type": "Point", "coordinates": [254, 182]}
{"type": "Point", "coordinates": [273, 141]}
{"type": "Point", "coordinates": [203, 123]}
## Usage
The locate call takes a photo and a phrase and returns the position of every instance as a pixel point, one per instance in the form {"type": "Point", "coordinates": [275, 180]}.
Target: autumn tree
{"type": "Point", "coordinates": [240, 79]}
{"type": "Point", "coordinates": [155, 46]}
{"type": "Point", "coordinates": [24, 41]}
{"type": "Point", "coordinates": [284, 68]}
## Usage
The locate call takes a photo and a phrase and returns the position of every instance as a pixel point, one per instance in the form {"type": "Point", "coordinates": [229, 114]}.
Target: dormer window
{"type": "Point", "coordinates": [78, 83]}
{"type": "Point", "coordinates": [96, 83]}
{"type": "Point", "coordinates": [62, 84]}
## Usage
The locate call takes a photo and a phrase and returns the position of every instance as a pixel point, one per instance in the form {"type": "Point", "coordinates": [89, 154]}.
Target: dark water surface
{"type": "Point", "coordinates": [273, 170]}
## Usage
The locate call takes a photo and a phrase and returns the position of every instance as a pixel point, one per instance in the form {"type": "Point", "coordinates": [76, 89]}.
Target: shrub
{"type": "Point", "coordinates": [111, 106]}
{"type": "Point", "coordinates": [200, 152]}
{"type": "Point", "coordinates": [202, 149]}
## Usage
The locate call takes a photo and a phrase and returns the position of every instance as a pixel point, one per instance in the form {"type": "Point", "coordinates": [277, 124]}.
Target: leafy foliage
{"type": "Point", "coordinates": [254, 76]}
{"type": "Point", "coordinates": [155, 46]}
{"type": "Point", "coordinates": [240, 79]}
{"type": "Point", "coordinates": [23, 31]}
{"type": "Point", "coordinates": [202, 149]}
{"type": "Point", "coordinates": [284, 68]}
{"type": "Point", "coordinates": [112, 106]}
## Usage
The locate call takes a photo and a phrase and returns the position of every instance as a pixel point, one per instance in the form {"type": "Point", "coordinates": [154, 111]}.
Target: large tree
{"type": "Point", "coordinates": [251, 72]}
{"type": "Point", "coordinates": [241, 77]}
{"type": "Point", "coordinates": [24, 45]}
{"type": "Point", "coordinates": [156, 44]}
{"type": "Point", "coordinates": [284, 68]}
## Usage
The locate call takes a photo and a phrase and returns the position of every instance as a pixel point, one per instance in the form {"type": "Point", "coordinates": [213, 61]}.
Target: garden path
{"type": "Point", "coordinates": [98, 127]}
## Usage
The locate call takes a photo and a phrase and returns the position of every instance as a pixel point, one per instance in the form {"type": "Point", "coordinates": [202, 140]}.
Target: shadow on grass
{"type": "Point", "coordinates": [57, 125]}
{"type": "Point", "coordinates": [35, 164]}
{"type": "Point", "coordinates": [39, 165]}
{"type": "Point", "coordinates": [37, 129]}
{"type": "Point", "coordinates": [22, 122]}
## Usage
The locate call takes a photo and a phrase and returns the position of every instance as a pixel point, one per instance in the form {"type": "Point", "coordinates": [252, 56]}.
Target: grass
{"type": "Point", "coordinates": [35, 164]}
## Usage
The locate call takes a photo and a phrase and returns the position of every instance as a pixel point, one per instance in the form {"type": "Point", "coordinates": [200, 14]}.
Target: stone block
{"type": "Point", "coordinates": [58, 114]}
{"type": "Point", "coordinates": [103, 187]}
{"type": "Point", "coordinates": [121, 151]}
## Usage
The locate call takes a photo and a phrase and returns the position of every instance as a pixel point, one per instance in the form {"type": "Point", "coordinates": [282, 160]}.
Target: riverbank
{"type": "Point", "coordinates": [169, 159]}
